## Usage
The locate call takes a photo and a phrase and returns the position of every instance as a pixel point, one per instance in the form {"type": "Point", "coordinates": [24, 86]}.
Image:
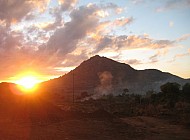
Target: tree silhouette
{"type": "Point", "coordinates": [186, 91]}
{"type": "Point", "coordinates": [125, 90]}
{"type": "Point", "coordinates": [170, 88]}
{"type": "Point", "coordinates": [170, 93]}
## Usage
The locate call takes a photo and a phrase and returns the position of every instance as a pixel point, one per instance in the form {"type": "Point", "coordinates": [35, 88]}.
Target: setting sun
{"type": "Point", "coordinates": [27, 82]}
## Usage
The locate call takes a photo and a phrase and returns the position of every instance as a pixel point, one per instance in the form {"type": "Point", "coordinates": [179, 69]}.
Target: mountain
{"type": "Point", "coordinates": [101, 74]}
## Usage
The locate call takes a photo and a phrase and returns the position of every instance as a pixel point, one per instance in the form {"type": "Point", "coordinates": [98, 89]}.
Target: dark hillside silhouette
{"type": "Point", "coordinates": [87, 78]}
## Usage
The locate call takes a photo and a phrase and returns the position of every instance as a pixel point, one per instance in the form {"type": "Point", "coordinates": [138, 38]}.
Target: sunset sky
{"type": "Point", "coordinates": [51, 37]}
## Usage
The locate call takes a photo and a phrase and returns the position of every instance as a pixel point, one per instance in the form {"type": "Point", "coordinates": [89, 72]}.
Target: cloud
{"type": "Point", "coordinates": [179, 55]}
{"type": "Point", "coordinates": [182, 54]}
{"type": "Point", "coordinates": [17, 56]}
{"type": "Point", "coordinates": [123, 21]}
{"type": "Point", "coordinates": [133, 62]}
{"type": "Point", "coordinates": [73, 59]}
{"type": "Point", "coordinates": [151, 59]}
{"type": "Point", "coordinates": [64, 6]}
{"type": "Point", "coordinates": [85, 21]}
{"type": "Point", "coordinates": [124, 42]}
{"type": "Point", "coordinates": [133, 42]}
{"type": "Point", "coordinates": [183, 37]}
{"type": "Point", "coordinates": [58, 20]}
{"type": "Point", "coordinates": [73, 35]}
{"type": "Point", "coordinates": [39, 47]}
{"type": "Point", "coordinates": [67, 5]}
{"type": "Point", "coordinates": [154, 58]}
{"type": "Point", "coordinates": [9, 41]}
{"type": "Point", "coordinates": [104, 42]}
{"type": "Point", "coordinates": [174, 4]}
{"type": "Point", "coordinates": [29, 16]}
{"type": "Point", "coordinates": [137, 1]}
{"type": "Point", "coordinates": [64, 40]}
{"type": "Point", "coordinates": [15, 10]}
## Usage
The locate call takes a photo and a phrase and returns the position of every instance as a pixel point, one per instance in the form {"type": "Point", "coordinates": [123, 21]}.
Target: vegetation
{"type": "Point", "coordinates": [186, 91]}
{"type": "Point", "coordinates": [172, 103]}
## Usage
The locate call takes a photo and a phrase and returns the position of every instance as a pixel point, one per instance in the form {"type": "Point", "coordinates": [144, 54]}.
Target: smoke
{"type": "Point", "coordinates": [105, 87]}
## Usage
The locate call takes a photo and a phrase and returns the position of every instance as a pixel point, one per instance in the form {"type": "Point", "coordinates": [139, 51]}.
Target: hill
{"type": "Point", "coordinates": [101, 75]}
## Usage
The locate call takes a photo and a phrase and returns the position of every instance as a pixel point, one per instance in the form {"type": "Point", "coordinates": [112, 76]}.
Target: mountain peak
{"type": "Point", "coordinates": [98, 58]}
{"type": "Point", "coordinates": [95, 57]}
{"type": "Point", "coordinates": [103, 63]}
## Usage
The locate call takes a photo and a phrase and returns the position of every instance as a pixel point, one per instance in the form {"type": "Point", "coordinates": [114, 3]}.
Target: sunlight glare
{"type": "Point", "coordinates": [27, 82]}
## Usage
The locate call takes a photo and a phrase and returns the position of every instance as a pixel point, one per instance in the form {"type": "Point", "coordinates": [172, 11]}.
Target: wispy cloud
{"type": "Point", "coordinates": [133, 61]}
{"type": "Point", "coordinates": [183, 37]}
{"type": "Point", "coordinates": [174, 4]}
{"type": "Point", "coordinates": [180, 55]}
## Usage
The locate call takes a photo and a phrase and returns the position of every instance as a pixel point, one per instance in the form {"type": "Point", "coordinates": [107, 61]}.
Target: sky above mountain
{"type": "Point", "coordinates": [51, 37]}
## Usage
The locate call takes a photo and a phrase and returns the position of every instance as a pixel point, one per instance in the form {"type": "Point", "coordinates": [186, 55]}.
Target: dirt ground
{"type": "Point", "coordinates": [92, 127]}
{"type": "Point", "coordinates": [158, 129]}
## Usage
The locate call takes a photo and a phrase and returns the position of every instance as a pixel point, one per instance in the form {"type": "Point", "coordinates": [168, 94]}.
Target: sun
{"type": "Point", "coordinates": [27, 82]}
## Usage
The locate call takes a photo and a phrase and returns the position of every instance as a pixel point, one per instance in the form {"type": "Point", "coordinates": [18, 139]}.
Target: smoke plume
{"type": "Point", "coordinates": [105, 86]}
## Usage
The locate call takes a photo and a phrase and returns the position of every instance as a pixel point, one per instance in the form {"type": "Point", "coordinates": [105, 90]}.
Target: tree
{"type": "Point", "coordinates": [170, 93]}
{"type": "Point", "coordinates": [125, 90]}
{"type": "Point", "coordinates": [186, 91]}
{"type": "Point", "coordinates": [170, 88]}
